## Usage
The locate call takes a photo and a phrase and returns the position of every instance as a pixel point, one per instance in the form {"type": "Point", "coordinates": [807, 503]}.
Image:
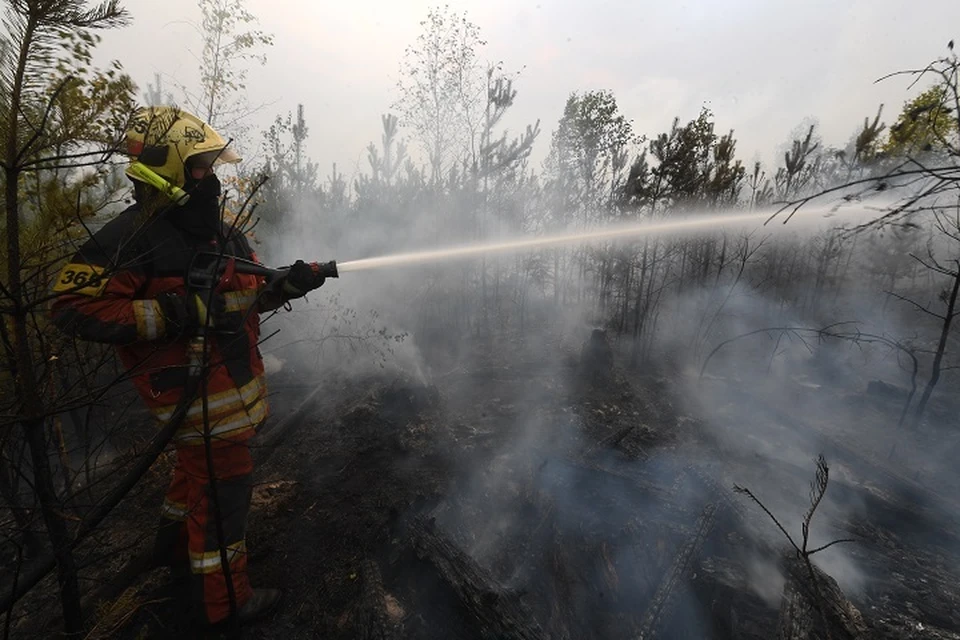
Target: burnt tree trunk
{"type": "Point", "coordinates": [813, 606]}
{"type": "Point", "coordinates": [373, 621]}
{"type": "Point", "coordinates": [941, 347]}
{"type": "Point", "coordinates": [639, 309]}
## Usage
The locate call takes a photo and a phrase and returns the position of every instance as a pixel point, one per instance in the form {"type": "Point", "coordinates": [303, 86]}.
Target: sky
{"type": "Point", "coordinates": [761, 66]}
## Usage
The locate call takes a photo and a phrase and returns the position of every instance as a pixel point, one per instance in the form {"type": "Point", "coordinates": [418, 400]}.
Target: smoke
{"type": "Point", "coordinates": [763, 422]}
{"type": "Point", "coordinates": [501, 333]}
{"type": "Point", "coordinates": [774, 400]}
{"type": "Point", "coordinates": [610, 233]}
{"type": "Point", "coordinates": [764, 579]}
{"type": "Point", "coordinates": [426, 267]}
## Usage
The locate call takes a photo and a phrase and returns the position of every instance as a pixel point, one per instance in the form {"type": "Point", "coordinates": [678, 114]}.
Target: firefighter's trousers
{"type": "Point", "coordinates": [188, 539]}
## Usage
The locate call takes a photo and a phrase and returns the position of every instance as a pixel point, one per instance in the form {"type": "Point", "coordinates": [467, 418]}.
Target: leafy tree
{"type": "Point", "coordinates": [800, 164]}
{"type": "Point", "coordinates": [230, 40]}
{"type": "Point", "coordinates": [386, 161]}
{"type": "Point", "coordinates": [695, 166]}
{"type": "Point", "coordinates": [761, 193]}
{"type": "Point", "coordinates": [867, 141]}
{"type": "Point", "coordinates": [497, 154]}
{"type": "Point", "coordinates": [59, 119]}
{"type": "Point", "coordinates": [725, 174]}
{"type": "Point", "coordinates": [641, 189]}
{"type": "Point", "coordinates": [926, 123]}
{"type": "Point", "coordinates": [587, 152]}
{"type": "Point", "coordinates": [862, 156]}
{"type": "Point", "coordinates": [441, 89]}
{"type": "Point", "coordinates": [384, 195]}
{"type": "Point", "coordinates": [495, 169]}
{"type": "Point", "coordinates": [292, 175]}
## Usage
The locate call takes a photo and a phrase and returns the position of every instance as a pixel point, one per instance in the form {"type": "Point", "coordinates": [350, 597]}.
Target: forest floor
{"type": "Point", "coordinates": [517, 495]}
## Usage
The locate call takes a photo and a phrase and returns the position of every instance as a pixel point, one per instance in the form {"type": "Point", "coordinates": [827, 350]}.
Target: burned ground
{"type": "Point", "coordinates": [515, 497]}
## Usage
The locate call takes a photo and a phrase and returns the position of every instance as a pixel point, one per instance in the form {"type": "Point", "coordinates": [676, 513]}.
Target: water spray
{"type": "Point", "coordinates": [332, 269]}
{"type": "Point", "coordinates": [579, 237]}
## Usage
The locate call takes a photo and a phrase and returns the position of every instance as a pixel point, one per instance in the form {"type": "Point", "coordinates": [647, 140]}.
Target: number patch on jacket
{"type": "Point", "coordinates": [83, 279]}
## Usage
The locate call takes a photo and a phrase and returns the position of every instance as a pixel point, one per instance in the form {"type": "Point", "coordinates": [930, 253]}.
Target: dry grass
{"type": "Point", "coordinates": [114, 615]}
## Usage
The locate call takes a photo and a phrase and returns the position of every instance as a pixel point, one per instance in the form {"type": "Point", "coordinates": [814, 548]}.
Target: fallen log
{"type": "Point", "coordinates": [719, 501]}
{"type": "Point", "coordinates": [496, 611]}
{"type": "Point", "coordinates": [661, 605]}
{"type": "Point", "coordinates": [373, 620]}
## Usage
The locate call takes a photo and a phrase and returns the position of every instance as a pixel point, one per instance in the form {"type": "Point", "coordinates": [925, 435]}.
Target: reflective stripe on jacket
{"type": "Point", "coordinates": [107, 293]}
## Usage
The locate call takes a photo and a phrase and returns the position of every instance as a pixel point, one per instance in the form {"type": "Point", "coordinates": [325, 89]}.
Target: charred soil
{"type": "Point", "coordinates": [523, 495]}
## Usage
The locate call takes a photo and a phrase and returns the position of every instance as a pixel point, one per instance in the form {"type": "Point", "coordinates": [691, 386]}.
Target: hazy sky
{"type": "Point", "coordinates": [762, 66]}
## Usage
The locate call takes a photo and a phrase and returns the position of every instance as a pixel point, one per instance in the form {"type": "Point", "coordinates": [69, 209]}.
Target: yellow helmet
{"type": "Point", "coordinates": [162, 139]}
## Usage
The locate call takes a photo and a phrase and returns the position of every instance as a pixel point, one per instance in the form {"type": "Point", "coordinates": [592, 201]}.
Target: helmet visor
{"type": "Point", "coordinates": [202, 164]}
{"type": "Point", "coordinates": [217, 155]}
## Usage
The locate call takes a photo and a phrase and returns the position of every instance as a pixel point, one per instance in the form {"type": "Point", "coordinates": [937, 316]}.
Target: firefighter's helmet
{"type": "Point", "coordinates": [160, 142]}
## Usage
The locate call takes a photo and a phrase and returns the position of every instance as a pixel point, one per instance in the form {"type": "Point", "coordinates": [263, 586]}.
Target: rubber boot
{"type": "Point", "coordinates": [261, 604]}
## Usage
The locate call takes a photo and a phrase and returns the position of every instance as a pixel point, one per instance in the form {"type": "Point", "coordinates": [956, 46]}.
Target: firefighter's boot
{"type": "Point", "coordinates": [261, 604]}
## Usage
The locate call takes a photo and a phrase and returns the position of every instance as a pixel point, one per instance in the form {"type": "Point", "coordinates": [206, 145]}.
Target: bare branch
{"type": "Point", "coordinates": [916, 305]}
{"type": "Point", "coordinates": [749, 494]}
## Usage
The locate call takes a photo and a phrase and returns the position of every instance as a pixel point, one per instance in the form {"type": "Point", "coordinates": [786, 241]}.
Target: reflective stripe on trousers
{"type": "Point", "coordinates": [190, 486]}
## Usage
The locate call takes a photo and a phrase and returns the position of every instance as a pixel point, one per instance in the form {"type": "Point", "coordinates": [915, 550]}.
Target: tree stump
{"type": "Point", "coordinates": [596, 359]}
{"type": "Point", "coordinates": [813, 607]}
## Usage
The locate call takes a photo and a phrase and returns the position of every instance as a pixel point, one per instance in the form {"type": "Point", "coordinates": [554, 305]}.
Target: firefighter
{"type": "Point", "coordinates": [127, 286]}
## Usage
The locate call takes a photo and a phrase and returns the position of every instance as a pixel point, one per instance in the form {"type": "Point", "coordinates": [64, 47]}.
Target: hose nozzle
{"type": "Point", "coordinates": [329, 269]}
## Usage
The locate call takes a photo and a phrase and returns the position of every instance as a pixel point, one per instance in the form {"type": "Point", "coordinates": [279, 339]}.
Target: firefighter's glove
{"type": "Point", "coordinates": [302, 278]}
{"type": "Point", "coordinates": [187, 314]}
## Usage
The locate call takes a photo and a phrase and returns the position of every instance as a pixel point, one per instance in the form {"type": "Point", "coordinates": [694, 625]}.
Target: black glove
{"type": "Point", "coordinates": [302, 278]}
{"type": "Point", "coordinates": [187, 314]}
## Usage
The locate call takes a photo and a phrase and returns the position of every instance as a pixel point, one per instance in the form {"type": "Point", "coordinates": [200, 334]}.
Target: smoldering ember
{"type": "Point", "coordinates": [596, 377]}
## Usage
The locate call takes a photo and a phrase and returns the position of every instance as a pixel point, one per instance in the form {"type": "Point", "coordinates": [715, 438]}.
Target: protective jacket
{"type": "Point", "coordinates": [107, 293]}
